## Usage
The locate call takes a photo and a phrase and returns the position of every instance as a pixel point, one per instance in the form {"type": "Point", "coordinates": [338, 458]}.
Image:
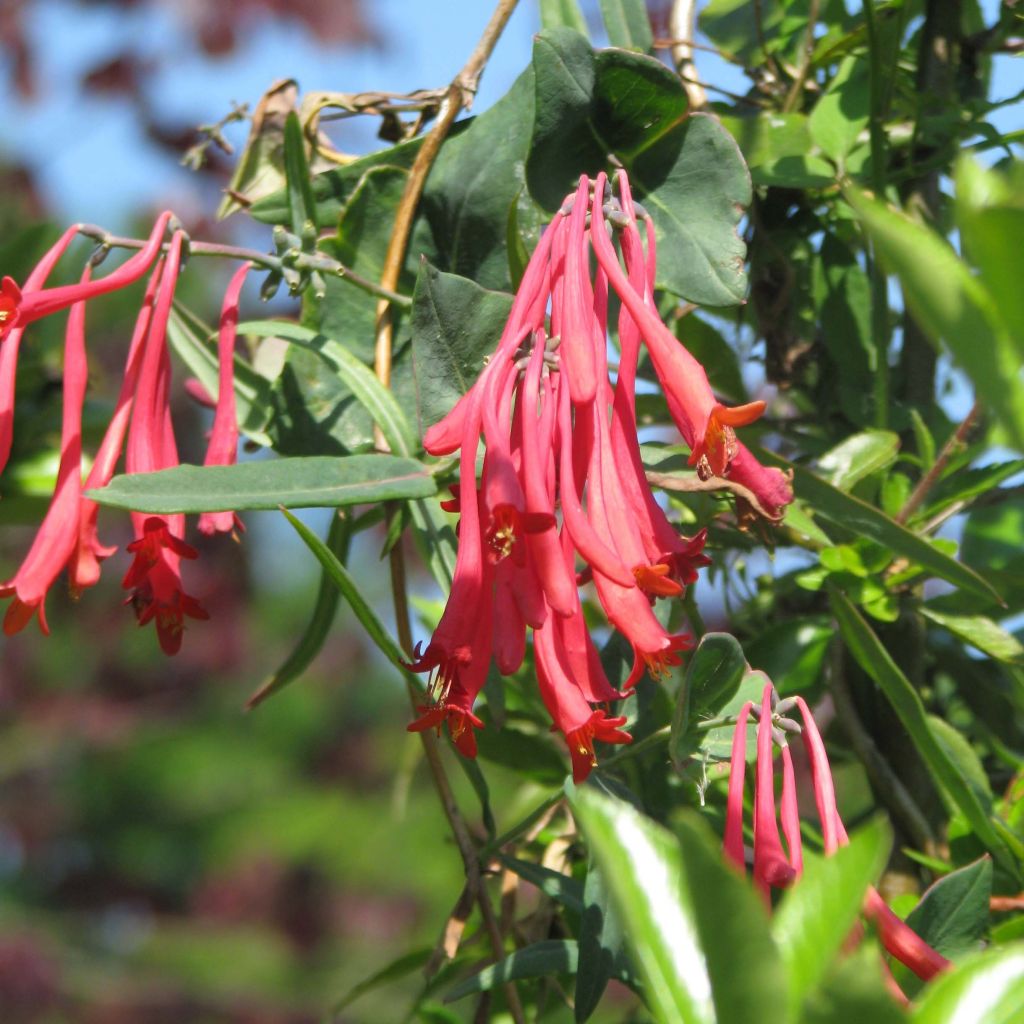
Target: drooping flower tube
{"type": "Point", "coordinates": [774, 867]}
{"type": "Point", "coordinates": [154, 577]}
{"type": "Point", "coordinates": [141, 422]}
{"type": "Point", "coordinates": [563, 498]}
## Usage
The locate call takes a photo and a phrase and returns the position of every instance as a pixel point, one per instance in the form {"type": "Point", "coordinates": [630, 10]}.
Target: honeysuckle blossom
{"type": "Point", "coordinates": [563, 499]}
{"type": "Point", "coordinates": [775, 867]}
{"type": "Point", "coordinates": [141, 423]}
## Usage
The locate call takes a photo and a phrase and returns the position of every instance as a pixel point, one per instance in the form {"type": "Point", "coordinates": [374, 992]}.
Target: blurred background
{"type": "Point", "coordinates": [165, 855]}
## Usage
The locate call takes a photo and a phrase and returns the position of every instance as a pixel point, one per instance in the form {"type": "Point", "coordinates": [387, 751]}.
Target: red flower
{"type": "Point", "coordinates": [559, 436]}
{"type": "Point", "coordinates": [57, 537]}
{"type": "Point", "coordinates": [223, 447]}
{"type": "Point", "coordinates": [154, 577]}
{"type": "Point", "coordinates": [155, 582]}
{"type": "Point", "coordinates": [772, 868]}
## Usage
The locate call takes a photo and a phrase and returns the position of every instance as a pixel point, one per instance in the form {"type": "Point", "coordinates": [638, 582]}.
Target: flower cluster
{"type": "Point", "coordinates": [559, 434]}
{"type": "Point", "coordinates": [140, 426]}
{"type": "Point", "coordinates": [775, 867]}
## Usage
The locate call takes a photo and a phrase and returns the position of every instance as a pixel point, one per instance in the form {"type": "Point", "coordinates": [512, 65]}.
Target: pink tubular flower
{"type": "Point", "coordinates": [20, 308]}
{"type": "Point", "coordinates": [154, 577]}
{"type": "Point", "coordinates": [84, 569]}
{"type": "Point", "coordinates": [55, 542]}
{"type": "Point", "coordinates": [11, 334]}
{"type": "Point", "coordinates": [706, 425]}
{"type": "Point", "coordinates": [563, 500]}
{"type": "Point", "coordinates": [772, 868]}
{"type": "Point", "coordinates": [223, 447]}
{"type": "Point", "coordinates": [896, 936]}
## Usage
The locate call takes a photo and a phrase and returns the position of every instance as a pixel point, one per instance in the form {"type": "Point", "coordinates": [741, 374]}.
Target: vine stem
{"type": "Point", "coordinates": [458, 96]}
{"type": "Point", "coordinates": [682, 21]}
{"type": "Point", "coordinates": [949, 449]}
{"type": "Point", "coordinates": [303, 261]}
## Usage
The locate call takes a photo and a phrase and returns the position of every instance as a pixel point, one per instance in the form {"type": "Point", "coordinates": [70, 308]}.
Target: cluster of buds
{"type": "Point", "coordinates": [140, 427]}
{"type": "Point", "coordinates": [776, 867]}
{"type": "Point", "coordinates": [560, 435]}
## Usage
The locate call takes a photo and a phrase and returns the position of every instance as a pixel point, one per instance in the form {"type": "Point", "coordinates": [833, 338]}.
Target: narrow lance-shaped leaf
{"type": "Point", "coordinates": [644, 868]}
{"type": "Point", "coordinates": [360, 379]}
{"type": "Point", "coordinates": [553, 956]}
{"type": "Point", "coordinates": [876, 661]}
{"type": "Point", "coordinates": [317, 481]}
{"type": "Point", "coordinates": [816, 915]}
{"type": "Point", "coordinates": [343, 580]}
{"type": "Point", "coordinates": [313, 636]}
{"type": "Point", "coordinates": [951, 305]}
{"type": "Point", "coordinates": [301, 204]}
{"type": "Point", "coordinates": [851, 513]}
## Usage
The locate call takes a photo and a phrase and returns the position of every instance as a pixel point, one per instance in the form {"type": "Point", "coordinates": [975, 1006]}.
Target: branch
{"type": "Point", "coordinates": [949, 449]}
{"type": "Point", "coordinates": [295, 259]}
{"type": "Point", "coordinates": [459, 95]}
{"type": "Point", "coordinates": [682, 20]}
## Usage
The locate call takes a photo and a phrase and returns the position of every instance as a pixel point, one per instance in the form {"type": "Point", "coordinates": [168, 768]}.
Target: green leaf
{"type": "Point", "coordinates": [951, 305]}
{"type": "Point", "coordinates": [562, 14]}
{"type": "Point", "coordinates": [601, 944]}
{"type": "Point", "coordinates": [539, 960]}
{"type": "Point", "coordinates": [561, 888]}
{"type": "Point", "coordinates": [713, 676]}
{"type": "Point", "coordinates": [312, 640]}
{"type": "Point", "coordinates": [398, 968]}
{"type": "Point", "coordinates": [317, 481]}
{"type": "Point", "coordinates": [529, 754]}
{"type": "Point", "coordinates": [952, 916]}
{"type": "Point", "coordinates": [858, 457]}
{"type": "Point", "coordinates": [456, 324]}
{"type": "Point", "coordinates": [743, 961]}
{"type": "Point", "coordinates": [343, 580]}
{"type": "Point", "coordinates": [696, 207]}
{"type": "Point", "coordinates": [197, 349]}
{"type": "Point", "coordinates": [715, 354]}
{"type": "Point", "coordinates": [687, 171]}
{"type": "Point", "coordinates": [854, 992]}
{"type": "Point", "coordinates": [777, 149]}
{"type": "Point", "coordinates": [986, 987]}
{"type": "Point", "coordinates": [475, 179]}
{"type": "Point", "coordinates": [815, 916]}
{"type": "Point", "coordinates": [850, 513]}
{"type": "Point", "coordinates": [990, 214]}
{"type": "Point", "coordinates": [360, 380]}
{"type": "Point", "coordinates": [876, 661]}
{"type": "Point", "coordinates": [627, 24]}
{"type": "Point", "coordinates": [841, 291]}
{"type": "Point", "coordinates": [301, 204]}
{"type": "Point", "coordinates": [332, 189]}
{"type": "Point", "coordinates": [644, 868]}
{"type": "Point", "coordinates": [981, 632]}
{"type": "Point", "coordinates": [842, 113]}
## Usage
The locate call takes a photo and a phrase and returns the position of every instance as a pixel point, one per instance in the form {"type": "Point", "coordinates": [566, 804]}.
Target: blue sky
{"type": "Point", "coordinates": [94, 164]}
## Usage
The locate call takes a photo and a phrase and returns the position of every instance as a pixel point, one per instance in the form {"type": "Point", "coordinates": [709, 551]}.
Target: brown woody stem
{"type": "Point", "coordinates": [458, 96]}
